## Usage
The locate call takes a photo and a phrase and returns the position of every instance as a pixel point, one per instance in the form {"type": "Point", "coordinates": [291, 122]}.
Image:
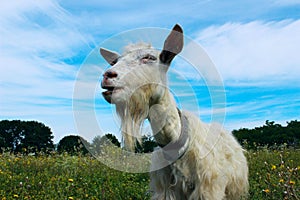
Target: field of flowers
{"type": "Point", "coordinates": [66, 177]}
{"type": "Point", "coordinates": [274, 174]}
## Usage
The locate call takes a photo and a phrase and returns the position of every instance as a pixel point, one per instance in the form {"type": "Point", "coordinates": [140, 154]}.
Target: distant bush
{"type": "Point", "coordinates": [73, 145]}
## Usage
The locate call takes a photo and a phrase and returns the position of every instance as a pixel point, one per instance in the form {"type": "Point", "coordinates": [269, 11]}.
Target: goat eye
{"type": "Point", "coordinates": [148, 58]}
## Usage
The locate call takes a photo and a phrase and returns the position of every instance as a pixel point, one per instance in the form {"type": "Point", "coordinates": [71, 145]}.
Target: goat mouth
{"type": "Point", "coordinates": [110, 90]}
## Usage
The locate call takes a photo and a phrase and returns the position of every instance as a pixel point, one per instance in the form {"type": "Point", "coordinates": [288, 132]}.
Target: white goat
{"type": "Point", "coordinates": [203, 161]}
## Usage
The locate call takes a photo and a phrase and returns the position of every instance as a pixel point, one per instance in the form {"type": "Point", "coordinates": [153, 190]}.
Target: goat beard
{"type": "Point", "coordinates": [132, 113]}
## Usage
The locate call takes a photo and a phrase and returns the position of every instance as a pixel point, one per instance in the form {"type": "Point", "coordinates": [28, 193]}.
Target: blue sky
{"type": "Point", "coordinates": [253, 44]}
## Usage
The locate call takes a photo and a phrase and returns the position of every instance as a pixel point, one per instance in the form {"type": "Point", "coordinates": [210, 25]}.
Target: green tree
{"type": "Point", "coordinates": [100, 141]}
{"type": "Point", "coordinates": [147, 146]}
{"type": "Point", "coordinates": [25, 136]}
{"type": "Point", "coordinates": [106, 139]}
{"type": "Point", "coordinates": [293, 132]}
{"type": "Point", "coordinates": [73, 144]}
{"type": "Point", "coordinates": [37, 136]}
{"type": "Point", "coordinates": [9, 134]}
{"type": "Point", "coordinates": [112, 138]}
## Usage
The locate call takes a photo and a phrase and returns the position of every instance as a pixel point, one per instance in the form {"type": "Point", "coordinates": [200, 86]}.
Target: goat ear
{"type": "Point", "coordinates": [110, 56]}
{"type": "Point", "coordinates": [173, 45]}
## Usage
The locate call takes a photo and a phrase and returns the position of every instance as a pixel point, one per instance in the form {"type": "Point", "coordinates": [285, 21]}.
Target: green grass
{"type": "Point", "coordinates": [66, 177]}
{"type": "Point", "coordinates": [274, 174]}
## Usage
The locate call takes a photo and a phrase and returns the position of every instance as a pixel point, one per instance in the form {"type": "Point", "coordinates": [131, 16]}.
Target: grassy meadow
{"type": "Point", "coordinates": [274, 174]}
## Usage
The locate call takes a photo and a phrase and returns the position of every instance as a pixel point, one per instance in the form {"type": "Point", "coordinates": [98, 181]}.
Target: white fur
{"type": "Point", "coordinates": [213, 167]}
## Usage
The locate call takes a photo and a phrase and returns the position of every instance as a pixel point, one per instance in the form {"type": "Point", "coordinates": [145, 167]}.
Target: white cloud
{"type": "Point", "coordinates": [40, 28]}
{"type": "Point", "coordinates": [35, 82]}
{"type": "Point", "coordinates": [32, 53]}
{"type": "Point", "coordinates": [256, 51]}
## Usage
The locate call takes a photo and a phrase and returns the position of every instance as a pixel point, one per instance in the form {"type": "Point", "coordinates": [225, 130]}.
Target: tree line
{"type": "Point", "coordinates": [31, 136]}
{"type": "Point", "coordinates": [270, 134]}
{"type": "Point", "coordinates": [28, 137]}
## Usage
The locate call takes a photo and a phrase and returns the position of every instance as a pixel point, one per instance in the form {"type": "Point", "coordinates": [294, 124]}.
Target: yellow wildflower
{"type": "Point", "coordinates": [266, 191]}
{"type": "Point", "coordinates": [292, 182]}
{"type": "Point", "coordinates": [273, 167]}
{"type": "Point", "coordinates": [70, 180]}
{"type": "Point", "coordinates": [16, 196]}
{"type": "Point", "coordinates": [281, 181]}
{"type": "Point", "coordinates": [71, 198]}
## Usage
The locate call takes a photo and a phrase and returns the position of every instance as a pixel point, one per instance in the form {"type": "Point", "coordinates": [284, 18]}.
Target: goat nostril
{"type": "Point", "coordinates": [110, 74]}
